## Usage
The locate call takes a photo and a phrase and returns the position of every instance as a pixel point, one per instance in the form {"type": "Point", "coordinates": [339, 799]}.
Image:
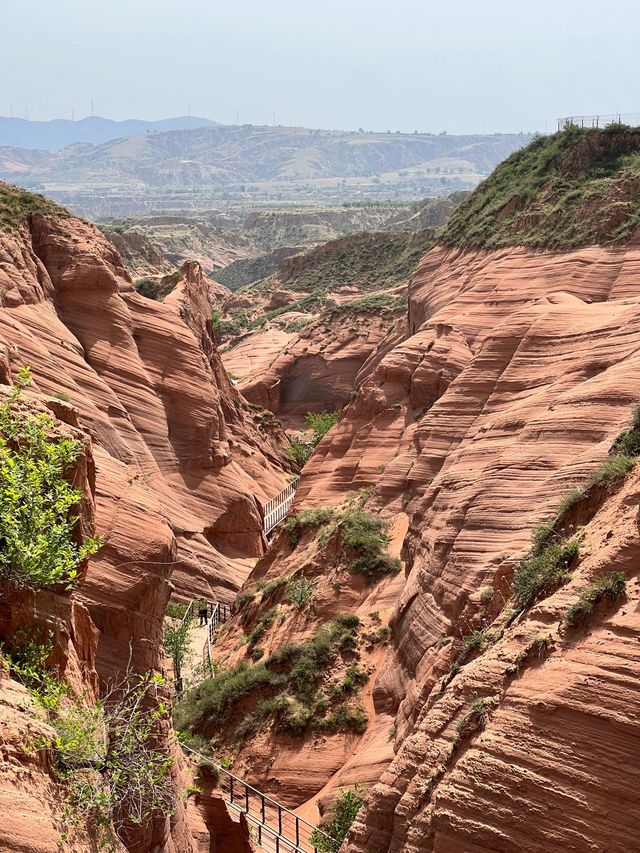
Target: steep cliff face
{"type": "Point", "coordinates": [179, 465]}
{"type": "Point", "coordinates": [311, 327]}
{"type": "Point", "coordinates": [517, 370]}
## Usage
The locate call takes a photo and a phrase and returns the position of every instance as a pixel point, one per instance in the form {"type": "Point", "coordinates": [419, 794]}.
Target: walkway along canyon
{"type": "Point", "coordinates": [448, 614]}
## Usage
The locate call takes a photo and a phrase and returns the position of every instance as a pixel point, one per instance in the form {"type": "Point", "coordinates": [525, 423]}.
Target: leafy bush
{"type": "Point", "coordinates": [343, 814]}
{"type": "Point", "coordinates": [366, 534]}
{"type": "Point", "coordinates": [286, 683]}
{"type": "Point", "coordinates": [541, 570]}
{"type": "Point", "coordinates": [611, 587]}
{"type": "Point", "coordinates": [296, 524]}
{"type": "Point", "coordinates": [244, 597]}
{"type": "Point", "coordinates": [299, 591]}
{"type": "Point", "coordinates": [269, 587]}
{"type": "Point", "coordinates": [300, 451]}
{"type": "Point", "coordinates": [354, 679]}
{"type": "Point", "coordinates": [266, 621]}
{"type": "Point", "coordinates": [176, 643]}
{"type": "Point", "coordinates": [486, 594]}
{"type": "Point", "coordinates": [108, 754]}
{"type": "Point", "coordinates": [472, 721]}
{"type": "Point", "coordinates": [321, 423]}
{"type": "Point", "coordinates": [347, 718]}
{"type": "Point", "coordinates": [38, 544]}
{"type": "Point", "coordinates": [175, 610]}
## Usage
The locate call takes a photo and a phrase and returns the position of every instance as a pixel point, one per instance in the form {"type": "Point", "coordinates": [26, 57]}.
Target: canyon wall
{"type": "Point", "coordinates": [178, 464]}
{"type": "Point", "coordinates": [516, 372]}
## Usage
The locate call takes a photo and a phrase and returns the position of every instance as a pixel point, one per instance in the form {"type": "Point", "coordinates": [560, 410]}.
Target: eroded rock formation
{"type": "Point", "coordinates": [178, 466]}
{"type": "Point", "coordinates": [515, 373]}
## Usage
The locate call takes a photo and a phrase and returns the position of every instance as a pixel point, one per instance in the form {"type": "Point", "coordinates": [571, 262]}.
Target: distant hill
{"type": "Point", "coordinates": [56, 134]}
{"type": "Point", "coordinates": [227, 155]}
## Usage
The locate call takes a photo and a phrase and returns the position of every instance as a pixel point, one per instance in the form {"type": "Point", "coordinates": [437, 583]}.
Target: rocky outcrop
{"type": "Point", "coordinates": [176, 453]}
{"type": "Point", "coordinates": [516, 371]}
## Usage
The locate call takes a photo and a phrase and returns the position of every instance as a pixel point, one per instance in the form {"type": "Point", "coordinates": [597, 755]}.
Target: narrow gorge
{"type": "Point", "coordinates": [437, 648]}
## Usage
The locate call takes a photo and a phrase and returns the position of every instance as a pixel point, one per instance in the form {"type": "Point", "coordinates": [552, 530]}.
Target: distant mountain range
{"type": "Point", "coordinates": [56, 134]}
{"type": "Point", "coordinates": [228, 154]}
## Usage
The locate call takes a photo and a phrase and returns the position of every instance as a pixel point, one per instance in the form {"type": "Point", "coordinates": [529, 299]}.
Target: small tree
{"type": "Point", "coordinates": [343, 815]}
{"type": "Point", "coordinates": [176, 644]}
{"type": "Point", "coordinates": [37, 523]}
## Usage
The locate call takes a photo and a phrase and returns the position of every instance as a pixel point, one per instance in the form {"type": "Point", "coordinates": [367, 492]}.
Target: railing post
{"type": "Point", "coordinates": [297, 832]}
{"type": "Point", "coordinates": [231, 787]}
{"type": "Point", "coordinates": [262, 809]}
{"type": "Point", "coordinates": [280, 819]}
{"type": "Point", "coordinates": [246, 798]}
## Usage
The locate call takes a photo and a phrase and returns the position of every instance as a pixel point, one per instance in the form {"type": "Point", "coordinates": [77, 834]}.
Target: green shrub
{"type": "Point", "coordinates": [354, 679]}
{"type": "Point", "coordinates": [486, 594]}
{"type": "Point", "coordinates": [108, 755]}
{"type": "Point", "coordinates": [264, 623]}
{"type": "Point", "coordinates": [300, 451]}
{"type": "Point", "coordinates": [347, 718]}
{"type": "Point", "coordinates": [321, 423]}
{"type": "Point", "coordinates": [611, 587]}
{"type": "Point", "coordinates": [38, 546]}
{"type": "Point", "coordinates": [244, 598]}
{"type": "Point", "coordinates": [343, 814]}
{"type": "Point", "coordinates": [299, 591]}
{"type": "Point", "coordinates": [569, 501]}
{"type": "Point", "coordinates": [176, 643]}
{"type": "Point", "coordinates": [286, 683]}
{"type": "Point", "coordinates": [60, 395]}
{"type": "Point", "coordinates": [472, 642]}
{"type": "Point", "coordinates": [296, 524]}
{"type": "Point", "coordinates": [612, 469]}
{"type": "Point", "coordinates": [269, 587]}
{"type": "Point", "coordinates": [366, 535]}
{"type": "Point", "coordinates": [474, 720]}
{"type": "Point", "coordinates": [176, 610]}
{"type": "Point", "coordinates": [538, 572]}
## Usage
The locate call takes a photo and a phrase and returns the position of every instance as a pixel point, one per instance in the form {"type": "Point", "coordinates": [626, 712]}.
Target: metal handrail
{"type": "Point", "coordinates": [601, 120]}
{"type": "Point", "coordinates": [275, 510]}
{"type": "Point", "coordinates": [219, 614]}
{"type": "Point", "coordinates": [241, 803]}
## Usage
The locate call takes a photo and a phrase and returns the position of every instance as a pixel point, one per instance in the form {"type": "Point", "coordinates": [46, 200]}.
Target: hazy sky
{"type": "Point", "coordinates": [460, 65]}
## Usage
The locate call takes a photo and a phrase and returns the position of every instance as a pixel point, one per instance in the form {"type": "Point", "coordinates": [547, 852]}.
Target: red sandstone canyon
{"type": "Point", "coordinates": [443, 623]}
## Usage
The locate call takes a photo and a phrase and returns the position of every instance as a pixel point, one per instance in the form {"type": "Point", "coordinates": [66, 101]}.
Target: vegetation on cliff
{"type": "Point", "coordinates": [39, 544]}
{"type": "Point", "coordinates": [343, 814]}
{"type": "Point", "coordinates": [285, 689]}
{"type": "Point", "coordinates": [17, 206]}
{"type": "Point", "coordinates": [107, 755]}
{"type": "Point", "coordinates": [577, 187]}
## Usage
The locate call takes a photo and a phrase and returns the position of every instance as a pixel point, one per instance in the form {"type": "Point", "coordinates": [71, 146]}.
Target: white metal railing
{"type": "Point", "coordinates": [219, 613]}
{"type": "Point", "coordinates": [602, 120]}
{"type": "Point", "coordinates": [275, 510]}
{"type": "Point", "coordinates": [275, 827]}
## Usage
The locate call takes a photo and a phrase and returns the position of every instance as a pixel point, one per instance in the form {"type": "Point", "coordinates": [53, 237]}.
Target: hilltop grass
{"type": "Point", "coordinates": [574, 188]}
{"type": "Point", "coordinates": [17, 206]}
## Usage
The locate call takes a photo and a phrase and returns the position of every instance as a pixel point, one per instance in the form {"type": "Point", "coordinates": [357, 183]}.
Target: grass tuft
{"type": "Point", "coordinates": [609, 588]}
